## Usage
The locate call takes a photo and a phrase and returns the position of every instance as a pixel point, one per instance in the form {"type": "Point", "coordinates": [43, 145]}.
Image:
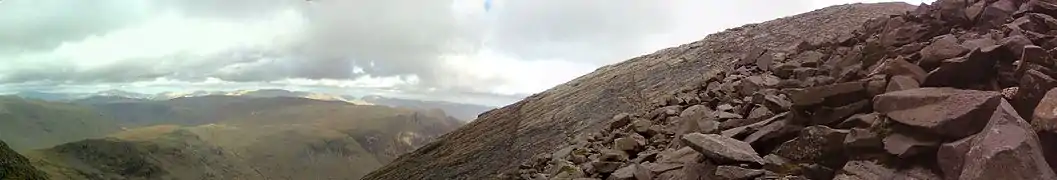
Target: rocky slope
{"type": "Point", "coordinates": [500, 139]}
{"type": "Point", "coordinates": [953, 90]}
{"type": "Point", "coordinates": [15, 166]}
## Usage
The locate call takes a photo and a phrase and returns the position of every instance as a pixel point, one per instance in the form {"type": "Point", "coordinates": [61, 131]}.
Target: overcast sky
{"type": "Point", "coordinates": [479, 51]}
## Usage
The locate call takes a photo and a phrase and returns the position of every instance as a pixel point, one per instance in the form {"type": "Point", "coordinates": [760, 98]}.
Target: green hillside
{"type": "Point", "coordinates": [32, 124]}
{"type": "Point", "coordinates": [298, 140]}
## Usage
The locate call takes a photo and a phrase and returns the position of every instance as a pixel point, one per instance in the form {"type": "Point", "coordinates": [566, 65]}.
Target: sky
{"type": "Point", "coordinates": [490, 52]}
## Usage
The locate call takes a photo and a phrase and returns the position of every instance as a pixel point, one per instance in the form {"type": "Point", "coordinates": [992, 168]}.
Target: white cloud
{"type": "Point", "coordinates": [517, 47]}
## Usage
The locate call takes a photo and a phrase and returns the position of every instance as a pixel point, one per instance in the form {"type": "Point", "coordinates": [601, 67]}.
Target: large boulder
{"type": "Point", "coordinates": [722, 149]}
{"type": "Point", "coordinates": [1033, 87]}
{"type": "Point", "coordinates": [953, 113]}
{"type": "Point", "coordinates": [1007, 149]}
{"type": "Point", "coordinates": [981, 62]}
{"type": "Point", "coordinates": [1044, 118]}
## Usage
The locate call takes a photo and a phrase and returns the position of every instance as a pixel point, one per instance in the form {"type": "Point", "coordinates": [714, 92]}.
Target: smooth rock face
{"type": "Point", "coordinates": [816, 95]}
{"type": "Point", "coordinates": [1006, 149]}
{"type": "Point", "coordinates": [949, 112]}
{"type": "Point", "coordinates": [899, 83]}
{"type": "Point", "coordinates": [722, 149]}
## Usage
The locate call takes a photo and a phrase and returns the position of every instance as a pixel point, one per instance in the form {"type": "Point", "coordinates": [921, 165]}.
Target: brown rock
{"type": "Point", "coordinates": [1033, 87]}
{"type": "Point", "coordinates": [1015, 44]}
{"type": "Point", "coordinates": [876, 85]}
{"type": "Point", "coordinates": [906, 146]}
{"type": "Point", "coordinates": [942, 48]}
{"type": "Point", "coordinates": [860, 121]}
{"type": "Point", "coordinates": [829, 115]}
{"type": "Point", "coordinates": [899, 66]}
{"type": "Point", "coordinates": [620, 120]}
{"type": "Point", "coordinates": [842, 92]}
{"type": "Point", "coordinates": [974, 10]}
{"type": "Point", "coordinates": [1042, 6]}
{"type": "Point", "coordinates": [606, 166]}
{"type": "Point", "coordinates": [773, 131]}
{"type": "Point", "coordinates": [765, 61]}
{"type": "Point", "coordinates": [809, 58]}
{"type": "Point", "coordinates": [627, 144]}
{"type": "Point", "coordinates": [981, 62]}
{"type": "Point", "coordinates": [996, 14]}
{"type": "Point", "coordinates": [734, 132]}
{"type": "Point", "coordinates": [641, 125]}
{"type": "Point", "coordinates": [862, 139]}
{"type": "Point", "coordinates": [864, 170]}
{"type": "Point", "coordinates": [1008, 149]}
{"type": "Point", "coordinates": [1044, 118]}
{"type": "Point", "coordinates": [903, 34]}
{"type": "Point", "coordinates": [979, 42]}
{"type": "Point", "coordinates": [915, 173]}
{"type": "Point", "coordinates": [751, 56]}
{"type": "Point", "coordinates": [899, 83]}
{"type": "Point", "coordinates": [951, 156]}
{"type": "Point", "coordinates": [722, 149]}
{"type": "Point", "coordinates": [949, 112]}
{"type": "Point", "coordinates": [816, 144]}
{"type": "Point", "coordinates": [737, 173]}
{"type": "Point", "coordinates": [952, 11]}
{"type": "Point", "coordinates": [785, 70]}
{"type": "Point", "coordinates": [632, 172]}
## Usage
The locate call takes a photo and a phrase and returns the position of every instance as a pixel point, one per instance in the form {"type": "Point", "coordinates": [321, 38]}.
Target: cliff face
{"type": "Point", "coordinates": [15, 166]}
{"type": "Point", "coordinates": [500, 140]}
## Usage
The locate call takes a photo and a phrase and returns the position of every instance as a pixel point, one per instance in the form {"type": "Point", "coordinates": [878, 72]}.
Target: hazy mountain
{"type": "Point", "coordinates": [31, 124]}
{"type": "Point", "coordinates": [465, 112]}
{"type": "Point", "coordinates": [48, 96]}
{"type": "Point", "coordinates": [299, 140]}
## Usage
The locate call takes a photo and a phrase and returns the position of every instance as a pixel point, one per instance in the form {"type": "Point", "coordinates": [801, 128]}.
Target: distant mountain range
{"type": "Point", "coordinates": [256, 135]}
{"type": "Point", "coordinates": [465, 112]}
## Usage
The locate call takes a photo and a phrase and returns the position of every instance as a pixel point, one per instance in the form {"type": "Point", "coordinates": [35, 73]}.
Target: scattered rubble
{"type": "Point", "coordinates": [954, 90]}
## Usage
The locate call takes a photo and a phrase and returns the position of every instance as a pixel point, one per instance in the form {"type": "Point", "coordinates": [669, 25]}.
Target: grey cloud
{"type": "Point", "coordinates": [383, 37]}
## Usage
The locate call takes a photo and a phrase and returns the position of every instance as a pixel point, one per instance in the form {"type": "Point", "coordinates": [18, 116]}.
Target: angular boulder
{"type": "Point", "coordinates": [1033, 87]}
{"type": "Point", "coordinates": [942, 48]}
{"type": "Point", "coordinates": [953, 113]}
{"type": "Point", "coordinates": [981, 62]}
{"type": "Point", "coordinates": [1044, 118]}
{"type": "Point", "coordinates": [722, 149]}
{"type": "Point", "coordinates": [1007, 149]}
{"type": "Point", "coordinates": [899, 83]}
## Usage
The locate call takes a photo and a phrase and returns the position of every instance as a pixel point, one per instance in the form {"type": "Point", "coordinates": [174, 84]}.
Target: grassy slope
{"type": "Point", "coordinates": [32, 124]}
{"type": "Point", "coordinates": [301, 140]}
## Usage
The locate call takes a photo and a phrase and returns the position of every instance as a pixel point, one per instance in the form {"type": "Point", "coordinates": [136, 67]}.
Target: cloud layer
{"type": "Point", "coordinates": [513, 48]}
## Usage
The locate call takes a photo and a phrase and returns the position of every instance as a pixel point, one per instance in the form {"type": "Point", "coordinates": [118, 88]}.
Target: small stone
{"type": "Point", "coordinates": [737, 173]}
{"type": "Point", "coordinates": [899, 83]}
{"type": "Point", "coordinates": [606, 167]}
{"type": "Point", "coordinates": [862, 138]}
{"type": "Point", "coordinates": [620, 120]}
